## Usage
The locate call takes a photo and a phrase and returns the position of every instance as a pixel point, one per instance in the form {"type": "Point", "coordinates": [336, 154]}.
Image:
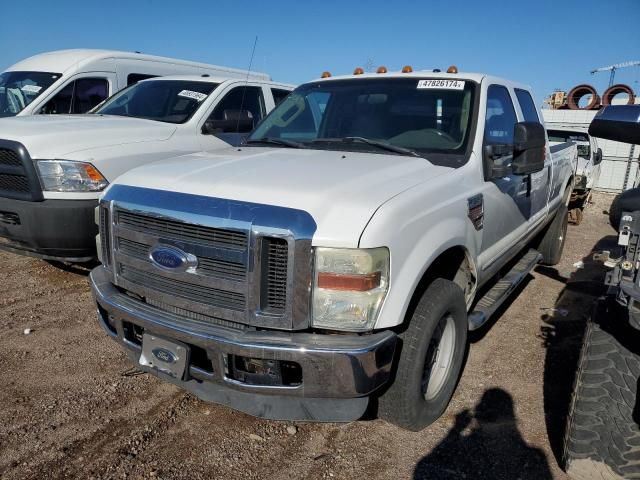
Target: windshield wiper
{"type": "Point", "coordinates": [277, 141]}
{"type": "Point", "coordinates": [376, 143]}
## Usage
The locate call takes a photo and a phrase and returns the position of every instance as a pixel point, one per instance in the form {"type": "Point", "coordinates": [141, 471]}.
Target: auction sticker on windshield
{"type": "Point", "coordinates": [31, 88]}
{"type": "Point", "coordinates": [446, 84]}
{"type": "Point", "coordinates": [197, 96]}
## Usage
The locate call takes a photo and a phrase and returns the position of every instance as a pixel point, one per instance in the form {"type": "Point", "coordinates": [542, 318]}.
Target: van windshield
{"type": "Point", "coordinates": [405, 116]}
{"type": "Point", "coordinates": [19, 89]}
{"type": "Point", "coordinates": [171, 101]}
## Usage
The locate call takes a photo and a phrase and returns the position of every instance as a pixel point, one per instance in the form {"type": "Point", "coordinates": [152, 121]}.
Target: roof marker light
{"type": "Point", "coordinates": [358, 71]}
{"type": "Point", "coordinates": [325, 74]}
{"type": "Point", "coordinates": [381, 69]}
{"type": "Point", "coordinates": [452, 69]}
{"type": "Point", "coordinates": [407, 69]}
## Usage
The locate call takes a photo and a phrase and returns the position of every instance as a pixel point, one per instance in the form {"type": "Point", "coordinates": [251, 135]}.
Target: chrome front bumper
{"type": "Point", "coordinates": [339, 372]}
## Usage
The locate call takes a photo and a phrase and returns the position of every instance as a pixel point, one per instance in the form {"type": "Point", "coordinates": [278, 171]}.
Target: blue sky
{"type": "Point", "coordinates": [545, 43]}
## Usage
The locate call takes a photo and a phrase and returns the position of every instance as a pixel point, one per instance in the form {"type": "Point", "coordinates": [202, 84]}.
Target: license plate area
{"type": "Point", "coordinates": [166, 356]}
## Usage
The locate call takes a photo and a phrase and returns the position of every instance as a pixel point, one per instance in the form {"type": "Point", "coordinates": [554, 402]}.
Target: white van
{"type": "Point", "coordinates": [75, 81]}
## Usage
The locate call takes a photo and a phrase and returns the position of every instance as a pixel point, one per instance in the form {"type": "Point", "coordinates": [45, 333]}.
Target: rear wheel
{"type": "Point", "coordinates": [602, 440]}
{"type": "Point", "coordinates": [430, 360]}
{"type": "Point", "coordinates": [553, 239]}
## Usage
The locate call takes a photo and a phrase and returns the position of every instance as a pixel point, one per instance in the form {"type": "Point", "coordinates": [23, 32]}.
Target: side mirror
{"type": "Point", "coordinates": [529, 148]}
{"type": "Point", "coordinates": [234, 121]}
{"type": "Point", "coordinates": [597, 157]}
{"type": "Point", "coordinates": [620, 123]}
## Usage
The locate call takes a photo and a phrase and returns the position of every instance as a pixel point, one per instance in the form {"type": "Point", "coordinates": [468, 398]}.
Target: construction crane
{"type": "Point", "coordinates": [613, 68]}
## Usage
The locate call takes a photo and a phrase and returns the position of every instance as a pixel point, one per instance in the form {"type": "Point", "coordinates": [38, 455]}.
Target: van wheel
{"type": "Point", "coordinates": [603, 437]}
{"type": "Point", "coordinates": [552, 243]}
{"type": "Point", "coordinates": [431, 357]}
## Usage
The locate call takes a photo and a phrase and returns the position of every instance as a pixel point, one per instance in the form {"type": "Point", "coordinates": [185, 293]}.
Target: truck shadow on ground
{"type": "Point", "coordinates": [485, 443]}
{"type": "Point", "coordinates": [562, 332]}
{"type": "Point", "coordinates": [83, 269]}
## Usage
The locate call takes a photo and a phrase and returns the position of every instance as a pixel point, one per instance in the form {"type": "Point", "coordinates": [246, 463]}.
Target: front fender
{"type": "Point", "coordinates": [416, 238]}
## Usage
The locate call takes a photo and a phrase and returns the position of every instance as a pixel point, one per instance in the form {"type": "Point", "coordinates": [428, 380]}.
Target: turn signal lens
{"type": "Point", "coordinates": [355, 283]}
{"type": "Point", "coordinates": [70, 176]}
{"type": "Point", "coordinates": [358, 71]}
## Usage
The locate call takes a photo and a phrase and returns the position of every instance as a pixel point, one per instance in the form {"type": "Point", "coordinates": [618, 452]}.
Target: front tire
{"type": "Point", "coordinates": [602, 440]}
{"type": "Point", "coordinates": [431, 357]}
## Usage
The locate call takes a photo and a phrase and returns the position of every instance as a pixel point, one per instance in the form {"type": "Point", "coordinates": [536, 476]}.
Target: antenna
{"type": "Point", "coordinates": [246, 81]}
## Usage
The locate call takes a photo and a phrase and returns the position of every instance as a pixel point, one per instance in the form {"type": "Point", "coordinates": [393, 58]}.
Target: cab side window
{"type": "Point", "coordinates": [79, 96]}
{"type": "Point", "coordinates": [136, 77]}
{"type": "Point", "coordinates": [501, 116]}
{"type": "Point", "coordinates": [240, 99]}
{"type": "Point", "coordinates": [527, 106]}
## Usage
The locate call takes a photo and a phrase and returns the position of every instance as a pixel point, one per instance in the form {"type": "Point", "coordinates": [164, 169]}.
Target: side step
{"type": "Point", "coordinates": [488, 304]}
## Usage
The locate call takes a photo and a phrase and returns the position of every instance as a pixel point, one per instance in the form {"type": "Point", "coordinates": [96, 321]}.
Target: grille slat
{"type": "Point", "coordinates": [9, 157]}
{"type": "Point", "coordinates": [206, 295]}
{"type": "Point", "coordinates": [275, 265]}
{"type": "Point", "coordinates": [14, 183]}
{"type": "Point", "coordinates": [105, 233]}
{"type": "Point", "coordinates": [183, 231]}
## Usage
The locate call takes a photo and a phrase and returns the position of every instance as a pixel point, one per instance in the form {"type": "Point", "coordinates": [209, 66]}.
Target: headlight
{"type": "Point", "coordinates": [70, 176]}
{"type": "Point", "coordinates": [349, 287]}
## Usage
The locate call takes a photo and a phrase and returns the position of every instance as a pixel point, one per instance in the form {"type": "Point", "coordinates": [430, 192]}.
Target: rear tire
{"type": "Point", "coordinates": [553, 239]}
{"type": "Point", "coordinates": [430, 360]}
{"type": "Point", "coordinates": [602, 440]}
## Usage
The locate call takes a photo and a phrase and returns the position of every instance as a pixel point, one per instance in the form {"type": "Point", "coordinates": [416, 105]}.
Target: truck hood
{"type": "Point", "coordinates": [341, 190]}
{"type": "Point", "coordinates": [57, 136]}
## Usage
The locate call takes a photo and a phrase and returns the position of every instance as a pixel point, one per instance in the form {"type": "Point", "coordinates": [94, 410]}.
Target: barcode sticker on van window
{"type": "Point", "coordinates": [197, 96]}
{"type": "Point", "coordinates": [445, 84]}
{"type": "Point", "coordinates": [31, 88]}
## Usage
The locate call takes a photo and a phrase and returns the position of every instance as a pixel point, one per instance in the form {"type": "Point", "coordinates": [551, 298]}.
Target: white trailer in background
{"type": "Point", "coordinates": [619, 168]}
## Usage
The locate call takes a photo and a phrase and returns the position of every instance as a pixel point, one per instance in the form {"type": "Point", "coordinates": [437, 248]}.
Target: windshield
{"type": "Point", "coordinates": [581, 139]}
{"type": "Point", "coordinates": [171, 101]}
{"type": "Point", "coordinates": [19, 89]}
{"type": "Point", "coordinates": [394, 115]}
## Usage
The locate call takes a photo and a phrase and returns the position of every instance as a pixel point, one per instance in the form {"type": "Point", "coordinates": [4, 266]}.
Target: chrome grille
{"type": "Point", "coordinates": [206, 266]}
{"type": "Point", "coordinates": [105, 235]}
{"type": "Point", "coordinates": [182, 231]}
{"type": "Point", "coordinates": [191, 291]}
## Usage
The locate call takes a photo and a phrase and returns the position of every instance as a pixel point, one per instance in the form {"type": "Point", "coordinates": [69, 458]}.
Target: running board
{"type": "Point", "coordinates": [488, 304]}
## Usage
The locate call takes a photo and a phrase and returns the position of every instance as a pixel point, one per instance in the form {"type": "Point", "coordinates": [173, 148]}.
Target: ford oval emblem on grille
{"type": "Point", "coordinates": [169, 258]}
{"type": "Point", "coordinates": [164, 355]}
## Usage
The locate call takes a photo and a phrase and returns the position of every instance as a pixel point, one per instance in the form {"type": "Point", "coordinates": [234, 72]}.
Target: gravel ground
{"type": "Point", "coordinates": [72, 406]}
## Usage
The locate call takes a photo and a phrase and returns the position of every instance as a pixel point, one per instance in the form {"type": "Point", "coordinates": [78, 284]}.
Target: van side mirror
{"type": "Point", "coordinates": [234, 121]}
{"type": "Point", "coordinates": [529, 148]}
{"type": "Point", "coordinates": [597, 157]}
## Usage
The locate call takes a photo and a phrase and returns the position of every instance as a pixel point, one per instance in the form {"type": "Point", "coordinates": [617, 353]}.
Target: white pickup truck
{"type": "Point", "coordinates": [338, 254]}
{"type": "Point", "coordinates": [53, 167]}
{"type": "Point", "coordinates": [588, 170]}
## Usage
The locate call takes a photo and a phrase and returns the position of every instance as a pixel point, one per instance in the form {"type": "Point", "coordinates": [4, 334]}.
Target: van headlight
{"type": "Point", "coordinates": [69, 176]}
{"type": "Point", "coordinates": [349, 287]}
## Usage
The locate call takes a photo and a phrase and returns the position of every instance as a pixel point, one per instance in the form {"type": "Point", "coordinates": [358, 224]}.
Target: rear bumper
{"type": "Point", "coordinates": [51, 229]}
{"type": "Point", "coordinates": [339, 372]}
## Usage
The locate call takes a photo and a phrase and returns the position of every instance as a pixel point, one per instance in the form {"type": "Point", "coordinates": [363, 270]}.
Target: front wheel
{"type": "Point", "coordinates": [431, 357]}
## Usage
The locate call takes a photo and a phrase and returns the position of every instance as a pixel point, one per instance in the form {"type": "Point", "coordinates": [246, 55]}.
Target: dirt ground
{"type": "Point", "coordinates": [72, 406]}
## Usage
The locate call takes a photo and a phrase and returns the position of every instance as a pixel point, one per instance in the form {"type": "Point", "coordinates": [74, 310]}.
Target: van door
{"type": "Point", "coordinates": [507, 199]}
{"type": "Point", "coordinates": [236, 113]}
{"type": "Point", "coordinates": [79, 94]}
